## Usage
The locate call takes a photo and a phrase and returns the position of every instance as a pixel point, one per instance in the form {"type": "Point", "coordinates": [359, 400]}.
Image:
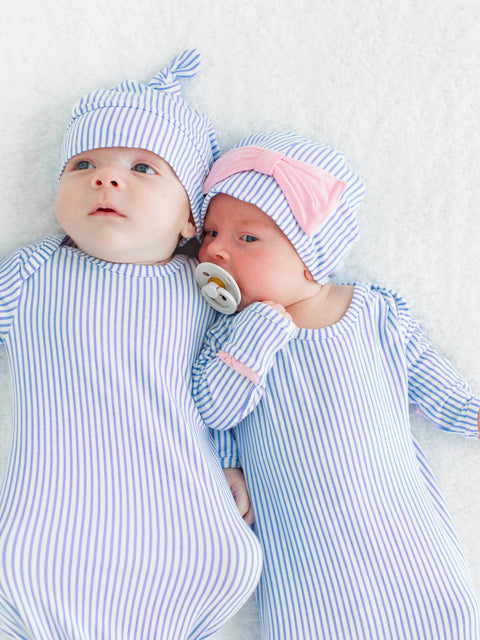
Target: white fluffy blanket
{"type": "Point", "coordinates": [394, 84]}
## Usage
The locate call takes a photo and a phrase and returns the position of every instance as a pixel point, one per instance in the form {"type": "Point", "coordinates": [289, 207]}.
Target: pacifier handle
{"type": "Point", "coordinates": [218, 287]}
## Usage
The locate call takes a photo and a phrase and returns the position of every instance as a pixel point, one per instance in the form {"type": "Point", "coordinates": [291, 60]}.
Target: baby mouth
{"type": "Point", "coordinates": [106, 211]}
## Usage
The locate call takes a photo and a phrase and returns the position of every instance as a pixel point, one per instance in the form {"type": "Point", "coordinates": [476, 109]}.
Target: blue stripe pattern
{"type": "Point", "coordinates": [358, 543]}
{"type": "Point", "coordinates": [115, 518]}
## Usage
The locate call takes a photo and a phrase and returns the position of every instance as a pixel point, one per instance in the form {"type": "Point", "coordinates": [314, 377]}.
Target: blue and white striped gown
{"type": "Point", "coordinates": [115, 520]}
{"type": "Point", "coordinates": [358, 543]}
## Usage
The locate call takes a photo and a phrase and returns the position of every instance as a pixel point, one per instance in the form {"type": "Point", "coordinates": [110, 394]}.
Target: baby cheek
{"type": "Point", "coordinates": [248, 279]}
{"type": "Point", "coordinates": [203, 251]}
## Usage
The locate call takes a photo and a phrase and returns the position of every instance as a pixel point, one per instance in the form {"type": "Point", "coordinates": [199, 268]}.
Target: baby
{"type": "Point", "coordinates": [115, 518]}
{"type": "Point", "coordinates": [318, 378]}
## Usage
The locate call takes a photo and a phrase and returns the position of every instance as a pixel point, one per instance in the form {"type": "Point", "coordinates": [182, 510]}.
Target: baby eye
{"type": "Point", "coordinates": [212, 233]}
{"type": "Point", "coordinates": [84, 164]}
{"type": "Point", "coordinates": [248, 238]}
{"type": "Point", "coordinates": [141, 167]}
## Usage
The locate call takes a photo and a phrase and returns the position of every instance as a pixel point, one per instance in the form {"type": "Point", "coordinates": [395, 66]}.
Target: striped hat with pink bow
{"type": "Point", "coordinates": [305, 187]}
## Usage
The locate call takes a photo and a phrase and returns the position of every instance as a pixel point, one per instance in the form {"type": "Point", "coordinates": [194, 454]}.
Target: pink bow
{"type": "Point", "coordinates": [312, 193]}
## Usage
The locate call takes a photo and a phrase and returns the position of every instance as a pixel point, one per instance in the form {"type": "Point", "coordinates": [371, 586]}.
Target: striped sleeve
{"type": "Point", "coordinates": [226, 447]}
{"type": "Point", "coordinates": [229, 377]}
{"type": "Point", "coordinates": [15, 270]}
{"type": "Point", "coordinates": [438, 390]}
{"type": "Point", "coordinates": [10, 288]}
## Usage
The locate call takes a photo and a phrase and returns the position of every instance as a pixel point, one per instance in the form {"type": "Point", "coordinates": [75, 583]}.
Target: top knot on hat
{"type": "Point", "coordinates": [183, 66]}
{"type": "Point", "coordinates": [154, 117]}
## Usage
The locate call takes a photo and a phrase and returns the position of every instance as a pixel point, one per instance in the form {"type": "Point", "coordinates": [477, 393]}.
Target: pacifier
{"type": "Point", "coordinates": [218, 287]}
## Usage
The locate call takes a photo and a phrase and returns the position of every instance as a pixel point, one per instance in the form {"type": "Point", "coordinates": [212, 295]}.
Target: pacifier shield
{"type": "Point", "coordinates": [218, 287]}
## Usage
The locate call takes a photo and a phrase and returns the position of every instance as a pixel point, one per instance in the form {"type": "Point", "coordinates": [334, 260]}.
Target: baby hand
{"type": "Point", "coordinates": [238, 487]}
{"type": "Point", "coordinates": [278, 307]}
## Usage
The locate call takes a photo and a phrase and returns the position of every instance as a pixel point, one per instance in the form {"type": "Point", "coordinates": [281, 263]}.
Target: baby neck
{"type": "Point", "coordinates": [325, 307]}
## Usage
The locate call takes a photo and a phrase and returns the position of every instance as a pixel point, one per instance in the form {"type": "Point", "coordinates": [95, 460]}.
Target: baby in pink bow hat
{"type": "Point", "coordinates": [308, 387]}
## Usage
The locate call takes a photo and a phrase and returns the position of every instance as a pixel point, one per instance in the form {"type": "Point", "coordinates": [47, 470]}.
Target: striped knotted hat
{"type": "Point", "coordinates": [306, 188]}
{"type": "Point", "coordinates": [153, 117]}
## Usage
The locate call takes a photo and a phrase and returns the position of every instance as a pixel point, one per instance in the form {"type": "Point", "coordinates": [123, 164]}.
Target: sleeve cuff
{"type": "Point", "coordinates": [231, 462]}
{"type": "Point", "coordinates": [471, 417]}
{"type": "Point", "coordinates": [258, 332]}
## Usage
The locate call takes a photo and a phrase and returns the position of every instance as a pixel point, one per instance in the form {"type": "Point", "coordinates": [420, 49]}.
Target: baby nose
{"type": "Point", "coordinates": [217, 249]}
{"type": "Point", "coordinates": [99, 182]}
{"type": "Point", "coordinates": [106, 177]}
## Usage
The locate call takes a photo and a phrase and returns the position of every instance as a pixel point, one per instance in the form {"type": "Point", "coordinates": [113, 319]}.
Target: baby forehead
{"type": "Point", "coordinates": [225, 208]}
{"type": "Point", "coordinates": [120, 152]}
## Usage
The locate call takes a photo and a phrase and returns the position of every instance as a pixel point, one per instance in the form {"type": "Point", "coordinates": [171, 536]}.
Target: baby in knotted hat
{"type": "Point", "coordinates": [129, 525]}
{"type": "Point", "coordinates": [316, 378]}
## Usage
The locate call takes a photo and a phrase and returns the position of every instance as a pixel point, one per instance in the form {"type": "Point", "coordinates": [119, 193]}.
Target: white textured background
{"type": "Point", "coordinates": [395, 84]}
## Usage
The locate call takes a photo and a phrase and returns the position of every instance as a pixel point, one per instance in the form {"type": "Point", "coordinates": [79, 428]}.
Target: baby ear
{"type": "Point", "coordinates": [189, 229]}
{"type": "Point", "coordinates": [308, 275]}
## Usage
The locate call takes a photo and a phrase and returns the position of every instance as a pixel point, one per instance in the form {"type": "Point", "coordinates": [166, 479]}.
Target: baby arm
{"type": "Point", "coordinates": [229, 377]}
{"type": "Point", "coordinates": [434, 385]}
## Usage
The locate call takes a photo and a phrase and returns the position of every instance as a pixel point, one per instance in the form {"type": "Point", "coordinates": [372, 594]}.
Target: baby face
{"type": "Point", "coordinates": [123, 205]}
{"type": "Point", "coordinates": [248, 244]}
